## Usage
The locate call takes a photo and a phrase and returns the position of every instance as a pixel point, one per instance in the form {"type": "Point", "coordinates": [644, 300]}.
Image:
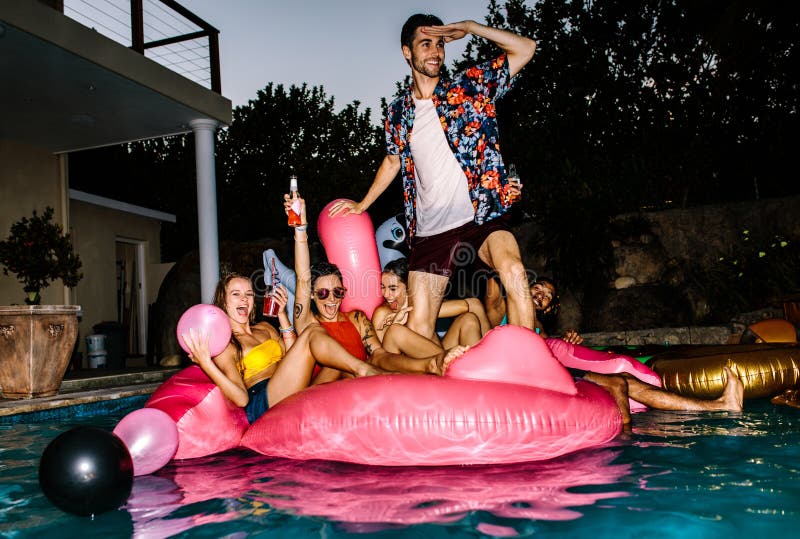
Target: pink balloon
{"type": "Point", "coordinates": [151, 437]}
{"type": "Point", "coordinates": [209, 319]}
{"type": "Point", "coordinates": [349, 242]}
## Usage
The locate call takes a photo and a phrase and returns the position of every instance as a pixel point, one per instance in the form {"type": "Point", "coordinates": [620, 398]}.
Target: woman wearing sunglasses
{"type": "Point", "coordinates": [318, 298]}
{"type": "Point", "coordinates": [470, 323]}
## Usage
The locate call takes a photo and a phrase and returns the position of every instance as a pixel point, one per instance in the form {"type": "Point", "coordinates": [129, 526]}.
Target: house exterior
{"type": "Point", "coordinates": [66, 87]}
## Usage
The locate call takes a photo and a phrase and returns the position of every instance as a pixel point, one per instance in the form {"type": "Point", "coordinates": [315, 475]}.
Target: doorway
{"type": "Point", "coordinates": [131, 293]}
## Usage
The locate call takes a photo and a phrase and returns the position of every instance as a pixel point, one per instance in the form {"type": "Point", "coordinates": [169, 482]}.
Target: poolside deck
{"type": "Point", "coordinates": [86, 386]}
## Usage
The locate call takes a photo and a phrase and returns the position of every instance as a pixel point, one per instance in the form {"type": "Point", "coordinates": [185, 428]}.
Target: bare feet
{"type": "Point", "coordinates": [732, 398]}
{"type": "Point", "coordinates": [439, 363]}
{"type": "Point", "coordinates": [790, 397]}
{"type": "Point", "coordinates": [367, 369]}
{"type": "Point", "coordinates": [618, 387]}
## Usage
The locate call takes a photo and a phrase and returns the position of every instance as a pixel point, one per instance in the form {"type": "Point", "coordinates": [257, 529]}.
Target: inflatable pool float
{"type": "Point", "coordinates": [378, 495]}
{"type": "Point", "coordinates": [697, 370]}
{"type": "Point", "coordinates": [390, 238]}
{"type": "Point", "coordinates": [772, 330]}
{"type": "Point", "coordinates": [207, 422]}
{"type": "Point", "coordinates": [575, 356]}
{"type": "Point", "coordinates": [349, 242]}
{"type": "Point", "coordinates": [506, 400]}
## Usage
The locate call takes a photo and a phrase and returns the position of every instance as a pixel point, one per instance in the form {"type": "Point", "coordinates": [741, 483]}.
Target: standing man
{"type": "Point", "coordinates": [443, 136]}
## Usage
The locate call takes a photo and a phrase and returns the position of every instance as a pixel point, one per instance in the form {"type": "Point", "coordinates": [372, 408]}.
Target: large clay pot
{"type": "Point", "coordinates": [36, 343]}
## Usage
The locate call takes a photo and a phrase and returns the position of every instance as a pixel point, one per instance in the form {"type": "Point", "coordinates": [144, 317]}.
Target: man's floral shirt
{"type": "Point", "coordinates": [466, 109]}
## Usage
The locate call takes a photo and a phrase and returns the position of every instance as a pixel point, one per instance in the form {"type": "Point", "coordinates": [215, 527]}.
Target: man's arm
{"type": "Point", "coordinates": [518, 49]}
{"type": "Point", "coordinates": [389, 168]}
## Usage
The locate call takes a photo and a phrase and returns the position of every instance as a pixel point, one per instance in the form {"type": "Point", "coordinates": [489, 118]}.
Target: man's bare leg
{"type": "Point", "coordinates": [425, 294]}
{"type": "Point", "coordinates": [731, 400]}
{"type": "Point", "coordinates": [501, 253]}
{"type": "Point", "coordinates": [618, 387]}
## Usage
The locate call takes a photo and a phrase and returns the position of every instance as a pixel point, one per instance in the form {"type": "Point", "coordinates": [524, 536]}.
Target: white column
{"type": "Point", "coordinates": [206, 207]}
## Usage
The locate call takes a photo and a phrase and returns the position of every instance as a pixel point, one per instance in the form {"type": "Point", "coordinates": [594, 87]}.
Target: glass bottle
{"type": "Point", "coordinates": [294, 215]}
{"type": "Point", "coordinates": [513, 179]}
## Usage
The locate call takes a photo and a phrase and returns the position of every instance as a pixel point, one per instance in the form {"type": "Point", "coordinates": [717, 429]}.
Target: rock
{"type": "Point", "coordinates": [644, 261]}
{"type": "Point", "coordinates": [624, 282]}
{"type": "Point", "coordinates": [569, 313]}
{"type": "Point", "coordinates": [172, 360]}
{"type": "Point", "coordinates": [638, 307]}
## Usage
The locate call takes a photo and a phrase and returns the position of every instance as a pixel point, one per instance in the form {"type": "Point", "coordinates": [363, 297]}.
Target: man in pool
{"type": "Point", "coordinates": [544, 297]}
{"type": "Point", "coordinates": [457, 194]}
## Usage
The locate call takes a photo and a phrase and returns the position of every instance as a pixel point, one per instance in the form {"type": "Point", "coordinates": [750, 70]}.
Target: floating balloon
{"type": "Point", "coordinates": [207, 319]}
{"type": "Point", "coordinates": [151, 437]}
{"type": "Point", "coordinates": [86, 471]}
{"type": "Point", "coordinates": [349, 242]}
{"type": "Point", "coordinates": [391, 237]}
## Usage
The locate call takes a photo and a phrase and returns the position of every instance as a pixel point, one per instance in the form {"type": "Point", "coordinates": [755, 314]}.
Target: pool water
{"type": "Point", "coordinates": [675, 475]}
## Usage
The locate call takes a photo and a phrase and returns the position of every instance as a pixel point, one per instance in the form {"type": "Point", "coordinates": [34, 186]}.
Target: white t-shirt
{"type": "Point", "coordinates": [443, 201]}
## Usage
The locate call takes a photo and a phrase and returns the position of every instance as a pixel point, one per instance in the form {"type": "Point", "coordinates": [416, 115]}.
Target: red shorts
{"type": "Point", "coordinates": [442, 254]}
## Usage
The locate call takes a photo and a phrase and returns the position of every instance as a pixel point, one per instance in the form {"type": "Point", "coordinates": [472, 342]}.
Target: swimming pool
{"type": "Point", "coordinates": [676, 475]}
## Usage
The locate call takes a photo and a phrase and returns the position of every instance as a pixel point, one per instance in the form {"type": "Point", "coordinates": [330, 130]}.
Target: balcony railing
{"type": "Point", "coordinates": [163, 30]}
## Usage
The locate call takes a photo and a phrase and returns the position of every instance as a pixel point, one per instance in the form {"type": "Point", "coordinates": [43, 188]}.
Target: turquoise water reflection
{"type": "Point", "coordinates": [675, 475]}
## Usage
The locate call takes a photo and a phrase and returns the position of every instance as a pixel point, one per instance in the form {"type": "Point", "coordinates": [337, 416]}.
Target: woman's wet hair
{"type": "Point", "coordinates": [398, 267]}
{"type": "Point", "coordinates": [414, 22]}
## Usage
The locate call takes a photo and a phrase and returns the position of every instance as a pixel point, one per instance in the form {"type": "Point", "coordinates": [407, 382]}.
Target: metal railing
{"type": "Point", "coordinates": [163, 30]}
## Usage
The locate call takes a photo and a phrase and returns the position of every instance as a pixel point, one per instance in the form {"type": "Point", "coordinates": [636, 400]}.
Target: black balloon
{"type": "Point", "coordinates": [86, 471]}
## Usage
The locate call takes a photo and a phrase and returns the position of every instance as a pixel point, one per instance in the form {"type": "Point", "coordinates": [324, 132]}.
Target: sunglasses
{"type": "Point", "coordinates": [323, 293]}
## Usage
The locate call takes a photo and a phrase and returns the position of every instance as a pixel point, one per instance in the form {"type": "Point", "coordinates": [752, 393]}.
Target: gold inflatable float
{"type": "Point", "coordinates": [697, 370]}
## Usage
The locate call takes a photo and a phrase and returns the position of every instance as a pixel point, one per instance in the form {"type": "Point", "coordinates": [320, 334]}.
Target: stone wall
{"type": "Point", "coordinates": [704, 233]}
{"type": "Point", "coordinates": [648, 286]}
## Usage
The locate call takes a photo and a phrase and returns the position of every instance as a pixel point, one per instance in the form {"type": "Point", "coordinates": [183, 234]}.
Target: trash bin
{"type": "Point", "coordinates": [116, 343]}
{"type": "Point", "coordinates": [96, 351]}
{"type": "Point", "coordinates": [97, 360]}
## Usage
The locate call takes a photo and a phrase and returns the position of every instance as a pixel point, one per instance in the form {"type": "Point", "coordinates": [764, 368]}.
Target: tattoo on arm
{"type": "Point", "coordinates": [368, 333]}
{"type": "Point", "coordinates": [298, 310]}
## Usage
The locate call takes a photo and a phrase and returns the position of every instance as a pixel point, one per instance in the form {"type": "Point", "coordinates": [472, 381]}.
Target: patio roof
{"type": "Point", "coordinates": [66, 87]}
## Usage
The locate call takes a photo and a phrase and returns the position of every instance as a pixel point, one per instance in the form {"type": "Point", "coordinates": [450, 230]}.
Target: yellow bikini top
{"type": "Point", "coordinates": [259, 358]}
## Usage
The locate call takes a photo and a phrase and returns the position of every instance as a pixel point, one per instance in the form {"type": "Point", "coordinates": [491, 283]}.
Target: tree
{"type": "Point", "coordinates": [281, 132]}
{"type": "Point", "coordinates": [656, 103]}
{"type": "Point", "coordinates": [291, 131]}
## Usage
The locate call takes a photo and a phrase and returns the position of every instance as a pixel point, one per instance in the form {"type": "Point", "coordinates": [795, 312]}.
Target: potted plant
{"type": "Point", "coordinates": [38, 339]}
